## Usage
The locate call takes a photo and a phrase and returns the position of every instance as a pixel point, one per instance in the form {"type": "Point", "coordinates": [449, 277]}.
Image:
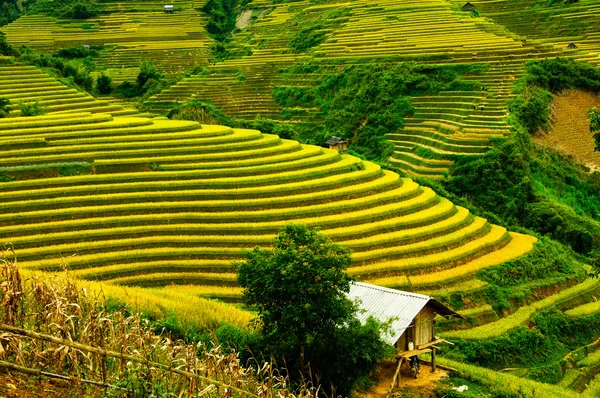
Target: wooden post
{"type": "Point", "coordinates": [399, 370]}
{"type": "Point", "coordinates": [396, 375]}
{"type": "Point", "coordinates": [433, 359]}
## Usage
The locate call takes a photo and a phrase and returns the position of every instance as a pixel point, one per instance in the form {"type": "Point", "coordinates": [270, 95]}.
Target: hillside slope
{"type": "Point", "coordinates": [175, 202]}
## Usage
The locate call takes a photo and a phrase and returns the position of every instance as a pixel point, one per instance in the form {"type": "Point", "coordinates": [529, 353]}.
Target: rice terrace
{"type": "Point", "coordinates": [311, 198]}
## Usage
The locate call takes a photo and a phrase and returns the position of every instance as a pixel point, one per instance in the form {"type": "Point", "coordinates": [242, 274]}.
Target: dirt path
{"type": "Point", "coordinates": [425, 384]}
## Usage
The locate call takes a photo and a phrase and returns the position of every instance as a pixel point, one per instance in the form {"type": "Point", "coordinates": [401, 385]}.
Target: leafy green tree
{"type": "Point", "coordinates": [298, 288]}
{"type": "Point", "coordinates": [147, 72]}
{"type": "Point", "coordinates": [594, 118]}
{"type": "Point", "coordinates": [5, 47]}
{"type": "Point", "coordinates": [305, 318]}
{"type": "Point", "coordinates": [104, 84]}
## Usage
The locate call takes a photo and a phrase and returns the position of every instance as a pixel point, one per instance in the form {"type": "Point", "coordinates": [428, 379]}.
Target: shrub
{"type": "Point", "coordinates": [4, 107]}
{"type": "Point", "coordinates": [82, 11]}
{"type": "Point", "coordinates": [31, 109]}
{"type": "Point", "coordinates": [147, 72]}
{"type": "Point", "coordinates": [127, 89]}
{"type": "Point", "coordinates": [104, 84]}
{"type": "Point", "coordinates": [199, 111]}
{"type": "Point", "coordinates": [5, 47]}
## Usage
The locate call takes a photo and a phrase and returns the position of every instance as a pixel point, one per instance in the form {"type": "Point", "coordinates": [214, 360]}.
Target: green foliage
{"type": "Point", "coordinates": [243, 341]}
{"type": "Point", "coordinates": [76, 70]}
{"type": "Point", "coordinates": [221, 17]}
{"type": "Point", "coordinates": [531, 105]}
{"type": "Point", "coordinates": [82, 10]}
{"type": "Point", "coordinates": [305, 318]}
{"type": "Point", "coordinates": [5, 47]}
{"type": "Point", "coordinates": [76, 9]}
{"type": "Point", "coordinates": [500, 181]}
{"type": "Point", "coordinates": [548, 259]}
{"type": "Point", "coordinates": [76, 52]}
{"type": "Point", "coordinates": [594, 118]}
{"type": "Point", "coordinates": [531, 108]}
{"type": "Point", "coordinates": [293, 95]}
{"type": "Point", "coordinates": [199, 111]}
{"type": "Point", "coordinates": [74, 169]}
{"type": "Point", "coordinates": [363, 103]}
{"type": "Point", "coordinates": [540, 347]}
{"type": "Point", "coordinates": [308, 37]}
{"type": "Point", "coordinates": [10, 10]}
{"type": "Point", "coordinates": [532, 187]}
{"type": "Point", "coordinates": [147, 73]}
{"type": "Point", "coordinates": [314, 32]}
{"type": "Point", "coordinates": [31, 109]}
{"type": "Point", "coordinates": [104, 84]}
{"type": "Point", "coordinates": [298, 288]}
{"type": "Point", "coordinates": [267, 126]}
{"type": "Point", "coordinates": [148, 81]}
{"type": "Point", "coordinates": [4, 107]}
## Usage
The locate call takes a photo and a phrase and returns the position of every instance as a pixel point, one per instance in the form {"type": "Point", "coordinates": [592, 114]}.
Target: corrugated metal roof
{"type": "Point", "coordinates": [382, 304]}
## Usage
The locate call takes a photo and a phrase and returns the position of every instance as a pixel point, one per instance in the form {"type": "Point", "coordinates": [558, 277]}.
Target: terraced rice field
{"type": "Point", "coordinates": [448, 125]}
{"type": "Point", "coordinates": [132, 32]}
{"type": "Point", "coordinates": [176, 202]}
{"type": "Point", "coordinates": [29, 84]}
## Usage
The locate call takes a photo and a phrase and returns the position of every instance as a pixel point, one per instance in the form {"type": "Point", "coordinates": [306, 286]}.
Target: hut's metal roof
{"type": "Point", "coordinates": [334, 140]}
{"type": "Point", "coordinates": [382, 304]}
{"type": "Point", "coordinates": [468, 7]}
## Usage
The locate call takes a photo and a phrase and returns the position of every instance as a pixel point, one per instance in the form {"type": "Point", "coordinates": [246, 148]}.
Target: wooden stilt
{"type": "Point", "coordinates": [399, 370]}
{"type": "Point", "coordinates": [397, 375]}
{"type": "Point", "coordinates": [433, 360]}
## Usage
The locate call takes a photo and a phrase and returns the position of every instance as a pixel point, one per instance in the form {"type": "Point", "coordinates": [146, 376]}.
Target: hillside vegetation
{"type": "Point", "coordinates": [173, 142]}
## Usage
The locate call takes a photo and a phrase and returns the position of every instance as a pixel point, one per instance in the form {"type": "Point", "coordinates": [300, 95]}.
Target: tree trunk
{"type": "Point", "coordinates": [302, 360]}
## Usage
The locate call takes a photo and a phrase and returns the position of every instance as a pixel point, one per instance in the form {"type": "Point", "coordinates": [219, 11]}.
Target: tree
{"type": "Point", "coordinates": [298, 288]}
{"type": "Point", "coordinates": [305, 318]}
{"type": "Point", "coordinates": [594, 118]}
{"type": "Point", "coordinates": [104, 84]}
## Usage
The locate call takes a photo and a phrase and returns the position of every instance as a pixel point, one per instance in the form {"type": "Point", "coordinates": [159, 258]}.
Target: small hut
{"type": "Point", "coordinates": [340, 144]}
{"type": "Point", "coordinates": [169, 9]}
{"type": "Point", "coordinates": [86, 47]}
{"type": "Point", "coordinates": [572, 46]}
{"type": "Point", "coordinates": [413, 319]}
{"type": "Point", "coordinates": [468, 7]}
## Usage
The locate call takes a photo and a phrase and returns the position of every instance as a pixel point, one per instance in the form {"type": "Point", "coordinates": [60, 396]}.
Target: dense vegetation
{"type": "Point", "coordinates": [306, 321]}
{"type": "Point", "coordinates": [531, 106]}
{"type": "Point", "coordinates": [364, 103]}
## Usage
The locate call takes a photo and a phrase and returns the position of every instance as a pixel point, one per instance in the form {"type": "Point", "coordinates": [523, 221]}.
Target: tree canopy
{"type": "Point", "coordinates": [298, 289]}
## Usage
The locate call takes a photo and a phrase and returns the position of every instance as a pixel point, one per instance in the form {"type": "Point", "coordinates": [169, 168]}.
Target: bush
{"type": "Point", "coordinates": [104, 84]}
{"type": "Point", "coordinates": [308, 37]}
{"type": "Point", "coordinates": [4, 107]}
{"type": "Point", "coordinates": [5, 47]}
{"type": "Point", "coordinates": [127, 89]}
{"type": "Point", "coordinates": [532, 109]}
{"type": "Point", "coordinates": [82, 10]}
{"type": "Point", "coordinates": [31, 109]}
{"type": "Point", "coordinates": [73, 52]}
{"type": "Point", "coordinates": [199, 111]}
{"type": "Point", "coordinates": [147, 72]}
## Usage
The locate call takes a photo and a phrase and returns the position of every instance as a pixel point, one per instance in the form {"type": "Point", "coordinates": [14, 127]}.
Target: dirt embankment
{"type": "Point", "coordinates": [570, 131]}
